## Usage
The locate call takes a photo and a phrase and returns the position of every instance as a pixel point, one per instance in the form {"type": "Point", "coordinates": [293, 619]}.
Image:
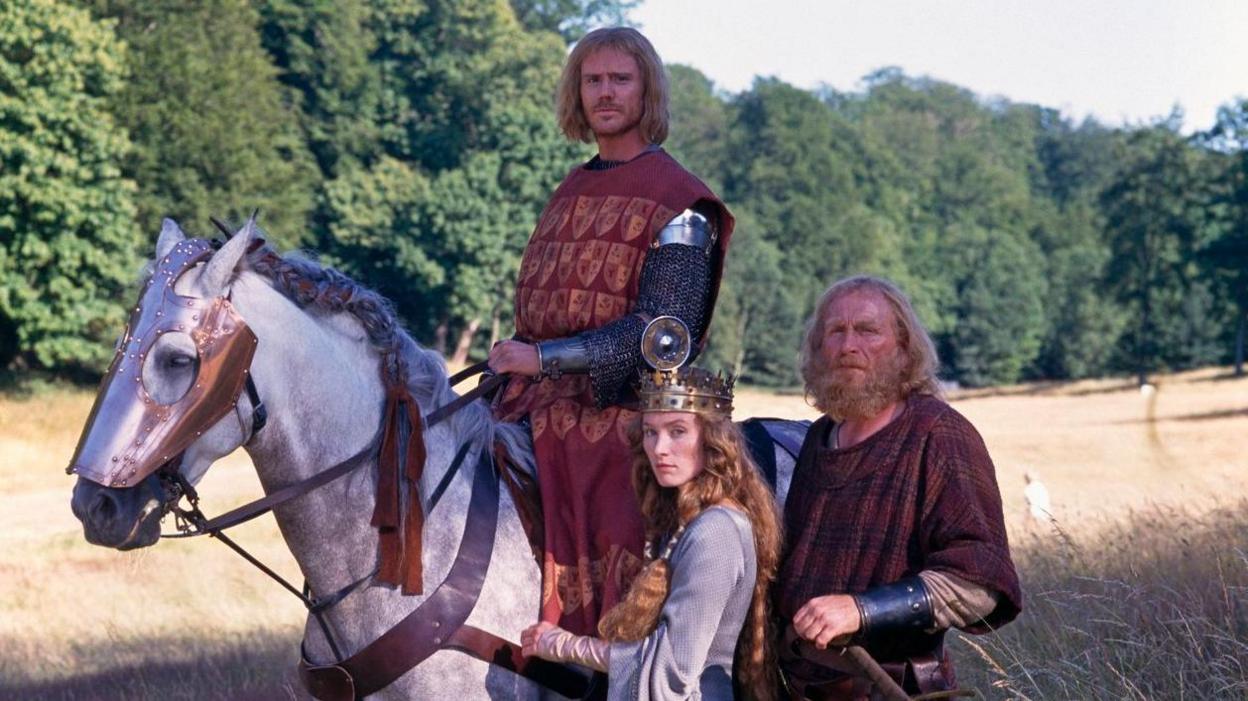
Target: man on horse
{"type": "Point", "coordinates": [894, 517]}
{"type": "Point", "coordinates": [628, 236]}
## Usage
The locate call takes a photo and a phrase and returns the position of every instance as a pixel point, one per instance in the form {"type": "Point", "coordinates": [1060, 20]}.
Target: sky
{"type": "Point", "coordinates": [1120, 61]}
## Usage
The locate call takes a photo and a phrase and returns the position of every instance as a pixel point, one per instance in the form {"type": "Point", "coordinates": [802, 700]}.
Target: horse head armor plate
{"type": "Point", "coordinates": [137, 434]}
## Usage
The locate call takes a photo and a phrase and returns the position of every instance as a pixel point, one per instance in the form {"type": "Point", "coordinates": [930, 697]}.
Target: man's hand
{"type": "Point", "coordinates": [514, 357]}
{"type": "Point", "coordinates": [825, 619]}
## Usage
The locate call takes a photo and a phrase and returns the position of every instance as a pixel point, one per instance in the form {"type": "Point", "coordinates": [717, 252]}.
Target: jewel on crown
{"type": "Point", "coordinates": [674, 386]}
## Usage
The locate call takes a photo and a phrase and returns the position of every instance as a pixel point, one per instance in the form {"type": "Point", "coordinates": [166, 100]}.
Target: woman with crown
{"type": "Point", "coordinates": [698, 615]}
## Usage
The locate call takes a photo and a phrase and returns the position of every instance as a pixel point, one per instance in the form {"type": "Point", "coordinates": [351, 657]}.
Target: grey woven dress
{"type": "Point", "coordinates": [689, 655]}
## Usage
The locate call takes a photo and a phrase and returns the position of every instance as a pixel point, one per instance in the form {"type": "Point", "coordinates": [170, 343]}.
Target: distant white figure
{"type": "Point", "coordinates": [1148, 389]}
{"type": "Point", "coordinates": [1039, 508]}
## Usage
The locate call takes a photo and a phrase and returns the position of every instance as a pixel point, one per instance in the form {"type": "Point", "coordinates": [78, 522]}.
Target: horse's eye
{"type": "Point", "coordinates": [178, 361]}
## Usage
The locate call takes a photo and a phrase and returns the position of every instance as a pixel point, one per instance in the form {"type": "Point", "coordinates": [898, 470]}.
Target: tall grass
{"type": "Point", "coordinates": [1155, 608]}
{"type": "Point", "coordinates": [252, 666]}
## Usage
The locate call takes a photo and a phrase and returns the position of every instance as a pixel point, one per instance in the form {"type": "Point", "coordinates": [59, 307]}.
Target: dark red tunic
{"type": "Point", "coordinates": [580, 271]}
{"type": "Point", "coordinates": [921, 494]}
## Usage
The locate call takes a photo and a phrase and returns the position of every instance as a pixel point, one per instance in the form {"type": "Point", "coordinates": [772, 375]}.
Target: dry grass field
{"type": "Point", "coordinates": [1139, 594]}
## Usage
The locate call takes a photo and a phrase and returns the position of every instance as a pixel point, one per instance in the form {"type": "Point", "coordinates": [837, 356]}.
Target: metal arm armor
{"type": "Point", "coordinates": [691, 228]}
{"type": "Point", "coordinates": [675, 280]}
{"type": "Point", "coordinates": [891, 609]}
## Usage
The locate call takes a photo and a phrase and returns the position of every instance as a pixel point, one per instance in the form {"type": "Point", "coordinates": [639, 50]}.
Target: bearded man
{"type": "Point", "coordinates": [894, 523]}
{"type": "Point", "coordinates": [628, 236]}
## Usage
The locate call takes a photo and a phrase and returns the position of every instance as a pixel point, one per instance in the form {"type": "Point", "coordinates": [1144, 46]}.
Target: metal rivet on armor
{"type": "Point", "coordinates": [914, 606]}
{"type": "Point", "coordinates": [139, 442]}
{"type": "Point", "coordinates": [437, 641]}
{"type": "Point", "coordinates": [909, 588]}
{"type": "Point", "coordinates": [437, 624]}
{"type": "Point", "coordinates": [114, 458]}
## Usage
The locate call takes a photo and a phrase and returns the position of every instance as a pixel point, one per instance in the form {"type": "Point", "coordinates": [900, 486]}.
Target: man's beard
{"type": "Point", "coordinates": [852, 400]}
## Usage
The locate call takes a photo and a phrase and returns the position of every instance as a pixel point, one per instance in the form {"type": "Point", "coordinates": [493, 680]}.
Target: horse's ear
{"type": "Point", "coordinates": [170, 236]}
{"type": "Point", "coordinates": [220, 267]}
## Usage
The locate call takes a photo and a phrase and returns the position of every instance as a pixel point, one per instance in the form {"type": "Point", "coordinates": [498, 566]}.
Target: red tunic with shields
{"type": "Point", "coordinates": [581, 271]}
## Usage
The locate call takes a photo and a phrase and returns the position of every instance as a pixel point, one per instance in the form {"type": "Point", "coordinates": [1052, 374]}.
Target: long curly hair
{"type": "Point", "coordinates": [729, 474]}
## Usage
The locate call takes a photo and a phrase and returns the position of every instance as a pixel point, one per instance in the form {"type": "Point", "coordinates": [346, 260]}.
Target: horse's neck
{"type": "Point", "coordinates": [320, 385]}
{"type": "Point", "coordinates": [325, 402]}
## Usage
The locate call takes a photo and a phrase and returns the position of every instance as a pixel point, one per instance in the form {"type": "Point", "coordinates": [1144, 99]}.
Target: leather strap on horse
{"type": "Point", "coordinates": [488, 647]}
{"type": "Point", "coordinates": [527, 498]}
{"type": "Point", "coordinates": [438, 622]}
{"type": "Point", "coordinates": [423, 631]}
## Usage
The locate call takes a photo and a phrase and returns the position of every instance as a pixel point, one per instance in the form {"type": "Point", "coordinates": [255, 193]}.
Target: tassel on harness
{"type": "Point", "coordinates": [400, 463]}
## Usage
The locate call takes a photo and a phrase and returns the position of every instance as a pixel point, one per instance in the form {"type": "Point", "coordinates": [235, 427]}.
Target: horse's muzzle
{"type": "Point", "coordinates": [119, 518]}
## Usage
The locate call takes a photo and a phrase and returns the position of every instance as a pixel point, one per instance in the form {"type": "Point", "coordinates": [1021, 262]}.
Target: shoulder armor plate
{"type": "Point", "coordinates": [690, 228]}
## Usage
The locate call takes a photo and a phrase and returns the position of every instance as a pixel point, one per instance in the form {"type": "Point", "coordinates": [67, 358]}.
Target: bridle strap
{"type": "Point", "coordinates": [259, 507]}
{"type": "Point", "coordinates": [251, 510]}
{"type": "Point", "coordinates": [259, 414]}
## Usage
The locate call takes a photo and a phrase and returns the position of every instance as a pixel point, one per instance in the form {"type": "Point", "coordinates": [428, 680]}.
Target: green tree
{"type": "Point", "coordinates": [758, 324]}
{"type": "Point", "coordinates": [1227, 254]}
{"type": "Point", "coordinates": [68, 245]}
{"type": "Point", "coordinates": [1156, 216]}
{"type": "Point", "coordinates": [470, 153]}
{"type": "Point", "coordinates": [571, 19]}
{"type": "Point", "coordinates": [791, 167]}
{"type": "Point", "coordinates": [212, 133]}
{"type": "Point", "coordinates": [999, 310]}
{"type": "Point", "coordinates": [698, 126]}
{"type": "Point", "coordinates": [322, 52]}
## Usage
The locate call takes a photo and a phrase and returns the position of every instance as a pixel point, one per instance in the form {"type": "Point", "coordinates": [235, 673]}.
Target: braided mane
{"type": "Point", "coordinates": [312, 286]}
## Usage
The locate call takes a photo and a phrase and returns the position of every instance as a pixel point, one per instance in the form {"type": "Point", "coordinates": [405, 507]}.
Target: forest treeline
{"type": "Point", "coordinates": [413, 144]}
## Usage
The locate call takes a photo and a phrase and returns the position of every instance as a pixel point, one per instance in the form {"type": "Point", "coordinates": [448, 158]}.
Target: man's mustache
{"type": "Point", "coordinates": [840, 365]}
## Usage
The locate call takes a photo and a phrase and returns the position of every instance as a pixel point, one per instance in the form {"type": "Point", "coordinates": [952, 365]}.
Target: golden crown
{"type": "Point", "coordinates": [673, 386]}
{"type": "Point", "coordinates": [687, 389]}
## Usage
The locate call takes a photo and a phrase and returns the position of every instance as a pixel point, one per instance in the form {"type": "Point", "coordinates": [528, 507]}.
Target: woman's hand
{"type": "Point", "coordinates": [550, 642]}
{"type": "Point", "coordinates": [531, 635]}
{"type": "Point", "coordinates": [514, 357]}
{"type": "Point", "coordinates": [827, 618]}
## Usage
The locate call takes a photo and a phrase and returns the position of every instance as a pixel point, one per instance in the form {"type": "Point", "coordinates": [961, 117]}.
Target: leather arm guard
{"type": "Point", "coordinates": [889, 609]}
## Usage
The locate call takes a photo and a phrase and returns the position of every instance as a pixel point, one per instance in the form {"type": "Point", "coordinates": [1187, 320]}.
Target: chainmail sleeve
{"type": "Point", "coordinates": [676, 281]}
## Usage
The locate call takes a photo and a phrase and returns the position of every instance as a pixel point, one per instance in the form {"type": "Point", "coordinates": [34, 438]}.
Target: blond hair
{"type": "Point", "coordinates": [918, 374]}
{"type": "Point", "coordinates": [571, 112]}
{"type": "Point", "coordinates": [730, 475]}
